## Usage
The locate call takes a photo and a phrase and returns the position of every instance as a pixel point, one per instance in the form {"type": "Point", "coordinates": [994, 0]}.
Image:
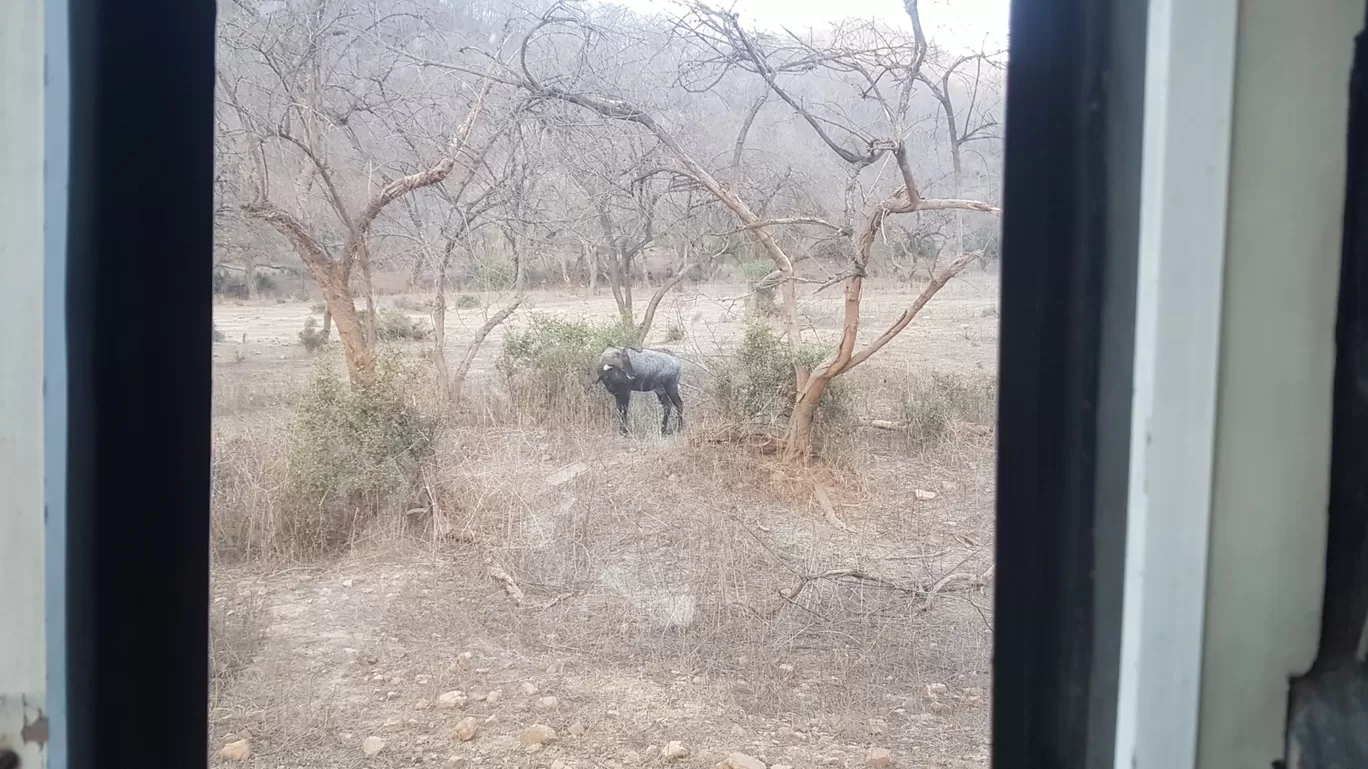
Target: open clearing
{"type": "Point", "coordinates": [673, 589]}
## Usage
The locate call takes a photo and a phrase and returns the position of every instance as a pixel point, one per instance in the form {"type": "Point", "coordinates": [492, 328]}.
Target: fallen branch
{"type": "Point", "coordinates": [828, 510]}
{"type": "Point", "coordinates": [559, 597]}
{"type": "Point", "coordinates": [855, 574]}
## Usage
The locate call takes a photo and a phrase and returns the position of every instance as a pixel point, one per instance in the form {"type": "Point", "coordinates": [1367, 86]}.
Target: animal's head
{"type": "Point", "coordinates": [616, 359]}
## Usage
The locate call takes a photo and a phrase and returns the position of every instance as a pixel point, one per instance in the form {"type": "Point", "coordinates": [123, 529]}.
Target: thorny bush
{"type": "Point", "coordinates": [355, 453]}
{"type": "Point", "coordinates": [549, 367]}
{"type": "Point", "coordinates": [758, 386]}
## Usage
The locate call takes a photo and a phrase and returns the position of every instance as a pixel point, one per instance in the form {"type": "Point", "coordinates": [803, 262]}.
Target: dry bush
{"type": "Point", "coordinates": [356, 453]}
{"type": "Point", "coordinates": [392, 325]}
{"type": "Point", "coordinates": [762, 297]}
{"type": "Point", "coordinates": [350, 458]}
{"type": "Point", "coordinates": [237, 633]}
{"type": "Point", "coordinates": [756, 386]}
{"type": "Point", "coordinates": [247, 472]}
{"type": "Point", "coordinates": [409, 304]}
{"type": "Point", "coordinates": [931, 405]}
{"type": "Point", "coordinates": [312, 336]}
{"type": "Point", "coordinates": [219, 336]}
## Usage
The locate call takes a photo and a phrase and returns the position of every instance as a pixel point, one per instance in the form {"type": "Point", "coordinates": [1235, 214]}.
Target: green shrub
{"type": "Point", "coordinates": [312, 336]}
{"type": "Point", "coordinates": [931, 404]}
{"type": "Point", "coordinates": [762, 297]}
{"type": "Point", "coordinates": [758, 383]}
{"type": "Point", "coordinates": [409, 304]}
{"type": "Point", "coordinates": [549, 367]}
{"type": "Point", "coordinates": [354, 453]}
{"type": "Point", "coordinates": [393, 325]}
{"type": "Point", "coordinates": [675, 333]}
{"type": "Point", "coordinates": [493, 272]}
{"type": "Point", "coordinates": [756, 270]}
{"type": "Point", "coordinates": [468, 302]}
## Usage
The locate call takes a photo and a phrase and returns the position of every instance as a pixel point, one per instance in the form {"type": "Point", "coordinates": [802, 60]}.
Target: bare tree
{"type": "Point", "coordinates": [886, 70]}
{"type": "Point", "coordinates": [379, 132]}
{"type": "Point", "coordinates": [975, 123]}
{"type": "Point", "coordinates": [288, 100]}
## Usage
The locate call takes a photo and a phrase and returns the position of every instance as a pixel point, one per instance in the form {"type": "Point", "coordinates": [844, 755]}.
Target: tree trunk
{"type": "Point", "coordinates": [327, 319]}
{"type": "Point", "coordinates": [249, 275]}
{"type": "Point", "coordinates": [439, 335]}
{"type": "Point", "coordinates": [798, 441]}
{"type": "Point", "coordinates": [591, 256]}
{"type": "Point", "coordinates": [369, 289]}
{"type": "Point", "coordinates": [337, 298]}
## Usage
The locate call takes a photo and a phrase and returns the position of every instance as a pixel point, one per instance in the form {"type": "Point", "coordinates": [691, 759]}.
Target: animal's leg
{"type": "Point", "coordinates": [672, 390]}
{"type": "Point", "coordinates": [624, 399]}
{"type": "Point", "coordinates": [664, 410]}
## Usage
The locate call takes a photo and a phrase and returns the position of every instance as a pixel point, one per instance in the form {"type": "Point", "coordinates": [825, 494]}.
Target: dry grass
{"type": "Point", "coordinates": [684, 588]}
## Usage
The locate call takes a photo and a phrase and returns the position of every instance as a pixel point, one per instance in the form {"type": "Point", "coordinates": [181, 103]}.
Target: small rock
{"type": "Point", "coordinates": [559, 764]}
{"type": "Point", "coordinates": [422, 705]}
{"type": "Point", "coordinates": [466, 729]}
{"type": "Point", "coordinates": [538, 734]}
{"type": "Point", "coordinates": [493, 696]}
{"type": "Point", "coordinates": [451, 700]}
{"type": "Point", "coordinates": [239, 750]}
{"type": "Point", "coordinates": [372, 745]}
{"type": "Point", "coordinates": [347, 582]}
{"type": "Point", "coordinates": [675, 750]}
{"type": "Point", "coordinates": [740, 761]}
{"type": "Point", "coordinates": [392, 725]}
{"type": "Point", "coordinates": [548, 703]}
{"type": "Point", "coordinates": [935, 690]}
{"type": "Point", "coordinates": [878, 758]}
{"type": "Point", "coordinates": [528, 688]}
{"type": "Point", "coordinates": [576, 729]}
{"type": "Point", "coordinates": [924, 494]}
{"type": "Point", "coordinates": [534, 748]}
{"type": "Point", "coordinates": [465, 660]}
{"type": "Point", "coordinates": [949, 486]}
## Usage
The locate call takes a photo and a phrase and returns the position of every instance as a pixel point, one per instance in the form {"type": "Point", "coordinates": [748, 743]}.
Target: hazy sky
{"type": "Point", "coordinates": [952, 23]}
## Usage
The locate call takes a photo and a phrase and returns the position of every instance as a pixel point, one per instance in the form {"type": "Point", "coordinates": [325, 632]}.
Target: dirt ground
{"type": "Point", "coordinates": [676, 601]}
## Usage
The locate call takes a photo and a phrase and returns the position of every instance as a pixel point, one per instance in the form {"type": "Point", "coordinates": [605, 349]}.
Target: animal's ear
{"type": "Point", "coordinates": [627, 369]}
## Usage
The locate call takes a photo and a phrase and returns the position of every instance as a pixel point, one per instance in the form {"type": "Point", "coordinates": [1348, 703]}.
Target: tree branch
{"type": "Point", "coordinates": [935, 285]}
